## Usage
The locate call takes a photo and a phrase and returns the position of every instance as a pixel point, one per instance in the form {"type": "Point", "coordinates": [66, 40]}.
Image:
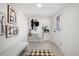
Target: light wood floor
{"type": "Point", "coordinates": [44, 45]}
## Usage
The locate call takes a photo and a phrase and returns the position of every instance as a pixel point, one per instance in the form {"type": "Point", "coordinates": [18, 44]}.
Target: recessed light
{"type": "Point", "coordinates": [39, 5]}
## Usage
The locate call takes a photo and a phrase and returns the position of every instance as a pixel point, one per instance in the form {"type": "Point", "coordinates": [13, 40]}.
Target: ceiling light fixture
{"type": "Point", "coordinates": [39, 5]}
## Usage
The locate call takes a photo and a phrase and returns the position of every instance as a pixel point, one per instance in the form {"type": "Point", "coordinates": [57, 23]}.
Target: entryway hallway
{"type": "Point", "coordinates": [39, 29]}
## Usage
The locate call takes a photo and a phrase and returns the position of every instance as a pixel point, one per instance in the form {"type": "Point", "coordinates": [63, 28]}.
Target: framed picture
{"type": "Point", "coordinates": [15, 30]}
{"type": "Point", "coordinates": [11, 31]}
{"type": "Point", "coordinates": [58, 23]}
{"type": "Point", "coordinates": [11, 15]}
{"type": "Point", "coordinates": [2, 24]}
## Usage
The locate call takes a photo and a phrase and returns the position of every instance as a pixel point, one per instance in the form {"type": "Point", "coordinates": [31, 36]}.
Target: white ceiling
{"type": "Point", "coordinates": [47, 9]}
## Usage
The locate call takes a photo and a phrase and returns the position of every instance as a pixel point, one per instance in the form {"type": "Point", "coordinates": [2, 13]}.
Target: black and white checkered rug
{"type": "Point", "coordinates": [40, 52]}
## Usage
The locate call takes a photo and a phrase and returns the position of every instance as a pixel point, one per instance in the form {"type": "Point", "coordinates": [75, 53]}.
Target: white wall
{"type": "Point", "coordinates": [68, 38]}
{"type": "Point", "coordinates": [14, 45]}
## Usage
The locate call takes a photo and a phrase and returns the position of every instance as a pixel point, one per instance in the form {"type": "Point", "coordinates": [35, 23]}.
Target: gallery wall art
{"type": "Point", "coordinates": [11, 31]}
{"type": "Point", "coordinates": [11, 15]}
{"type": "Point", "coordinates": [11, 26]}
{"type": "Point", "coordinates": [58, 27]}
{"type": "Point", "coordinates": [2, 23]}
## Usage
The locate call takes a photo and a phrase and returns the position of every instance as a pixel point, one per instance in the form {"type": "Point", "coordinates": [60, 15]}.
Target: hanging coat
{"type": "Point", "coordinates": [32, 24]}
